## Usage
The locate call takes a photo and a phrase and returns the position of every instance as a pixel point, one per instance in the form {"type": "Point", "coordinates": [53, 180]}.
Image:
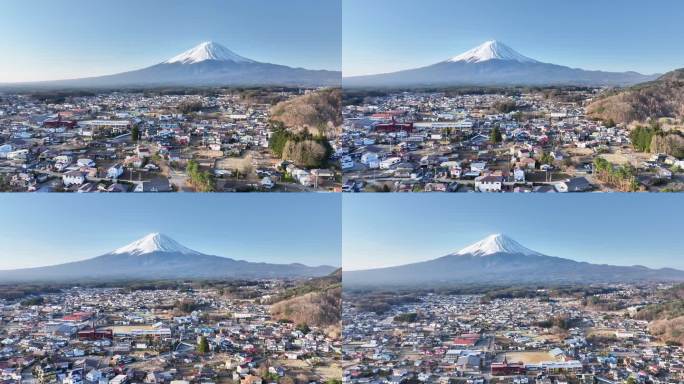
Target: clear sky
{"type": "Point", "coordinates": [614, 35]}
{"type": "Point", "coordinates": [58, 39]}
{"type": "Point", "coordinates": [619, 229]}
{"type": "Point", "coordinates": [38, 230]}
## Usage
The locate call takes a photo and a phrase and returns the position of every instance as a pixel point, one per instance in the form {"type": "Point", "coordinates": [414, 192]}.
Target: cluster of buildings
{"type": "Point", "coordinates": [473, 339]}
{"type": "Point", "coordinates": [126, 142]}
{"type": "Point", "coordinates": [435, 142]}
{"type": "Point", "coordinates": [119, 336]}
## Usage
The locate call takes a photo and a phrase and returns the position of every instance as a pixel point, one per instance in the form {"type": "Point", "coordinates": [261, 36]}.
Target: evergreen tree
{"type": "Point", "coordinates": [135, 133]}
{"type": "Point", "coordinates": [203, 346]}
{"type": "Point", "coordinates": [495, 136]}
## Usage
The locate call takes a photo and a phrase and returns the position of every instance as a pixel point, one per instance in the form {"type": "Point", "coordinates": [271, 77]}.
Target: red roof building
{"type": "Point", "coordinates": [467, 340]}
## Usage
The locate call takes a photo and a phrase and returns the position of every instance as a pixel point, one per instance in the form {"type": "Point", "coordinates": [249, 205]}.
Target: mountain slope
{"type": "Point", "coordinates": [494, 63]}
{"type": "Point", "coordinates": [315, 302]}
{"type": "Point", "coordinates": [663, 97]}
{"type": "Point", "coordinates": [157, 256]}
{"type": "Point", "coordinates": [208, 64]}
{"type": "Point", "coordinates": [499, 259]}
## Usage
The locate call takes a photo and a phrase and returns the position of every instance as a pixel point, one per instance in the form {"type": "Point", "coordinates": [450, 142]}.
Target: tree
{"type": "Point", "coordinates": [4, 184]}
{"type": "Point", "coordinates": [546, 158]}
{"type": "Point", "coordinates": [190, 106]}
{"type": "Point", "coordinates": [203, 181]}
{"type": "Point", "coordinates": [135, 133]}
{"type": "Point", "coordinates": [505, 106]}
{"type": "Point", "coordinates": [304, 328]}
{"type": "Point", "coordinates": [203, 346]}
{"type": "Point", "coordinates": [495, 136]}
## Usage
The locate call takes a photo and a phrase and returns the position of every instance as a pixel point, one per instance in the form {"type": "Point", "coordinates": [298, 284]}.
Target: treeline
{"type": "Point", "coordinates": [57, 97]}
{"type": "Point", "coordinates": [622, 178]}
{"type": "Point", "coordinates": [409, 317]}
{"type": "Point", "coordinates": [502, 291]}
{"type": "Point", "coordinates": [642, 137]}
{"type": "Point", "coordinates": [515, 293]}
{"type": "Point", "coordinates": [602, 304]}
{"type": "Point", "coordinates": [305, 149]}
{"type": "Point", "coordinates": [38, 300]}
{"type": "Point", "coordinates": [505, 106]}
{"type": "Point", "coordinates": [203, 181]}
{"type": "Point", "coordinates": [317, 284]}
{"type": "Point", "coordinates": [358, 96]}
{"type": "Point", "coordinates": [187, 306]}
{"type": "Point", "coordinates": [20, 291]}
{"type": "Point", "coordinates": [382, 302]}
{"type": "Point", "coordinates": [667, 310]}
{"type": "Point", "coordinates": [563, 322]}
{"type": "Point", "coordinates": [186, 107]}
{"type": "Point", "coordinates": [654, 139]}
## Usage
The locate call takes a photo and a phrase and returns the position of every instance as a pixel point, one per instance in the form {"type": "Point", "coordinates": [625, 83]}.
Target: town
{"type": "Point", "coordinates": [510, 140]}
{"type": "Point", "coordinates": [158, 141]}
{"type": "Point", "coordinates": [161, 332]}
{"type": "Point", "coordinates": [536, 335]}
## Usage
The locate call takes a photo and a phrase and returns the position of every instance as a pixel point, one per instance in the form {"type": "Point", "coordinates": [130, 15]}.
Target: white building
{"type": "Point", "coordinates": [489, 183]}
{"type": "Point", "coordinates": [73, 178]}
{"type": "Point", "coordinates": [115, 171]}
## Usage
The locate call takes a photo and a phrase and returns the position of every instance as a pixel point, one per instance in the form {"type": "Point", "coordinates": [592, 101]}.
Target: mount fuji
{"type": "Point", "coordinates": [495, 64]}
{"type": "Point", "coordinates": [498, 259]}
{"type": "Point", "coordinates": [207, 64]}
{"type": "Point", "coordinates": [157, 256]}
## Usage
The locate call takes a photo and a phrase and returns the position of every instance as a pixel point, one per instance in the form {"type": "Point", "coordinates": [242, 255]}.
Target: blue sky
{"type": "Point", "coordinates": [619, 229]}
{"type": "Point", "coordinates": [616, 35]}
{"type": "Point", "coordinates": [57, 39]}
{"type": "Point", "coordinates": [277, 228]}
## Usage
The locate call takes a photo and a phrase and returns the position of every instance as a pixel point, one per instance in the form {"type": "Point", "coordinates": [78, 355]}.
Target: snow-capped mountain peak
{"type": "Point", "coordinates": [491, 50]}
{"type": "Point", "coordinates": [496, 243]}
{"type": "Point", "coordinates": [208, 51]}
{"type": "Point", "coordinates": [154, 242]}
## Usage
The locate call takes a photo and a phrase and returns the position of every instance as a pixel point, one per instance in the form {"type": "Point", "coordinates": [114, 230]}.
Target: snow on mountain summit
{"type": "Point", "coordinates": [496, 243]}
{"type": "Point", "coordinates": [208, 51]}
{"type": "Point", "coordinates": [154, 242]}
{"type": "Point", "coordinates": [491, 50]}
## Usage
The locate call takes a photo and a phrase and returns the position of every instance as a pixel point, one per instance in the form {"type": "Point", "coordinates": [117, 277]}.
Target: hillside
{"type": "Point", "coordinates": [663, 97]}
{"type": "Point", "coordinates": [666, 319]}
{"type": "Point", "coordinates": [318, 112]}
{"type": "Point", "coordinates": [315, 302]}
{"type": "Point", "coordinates": [303, 126]}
